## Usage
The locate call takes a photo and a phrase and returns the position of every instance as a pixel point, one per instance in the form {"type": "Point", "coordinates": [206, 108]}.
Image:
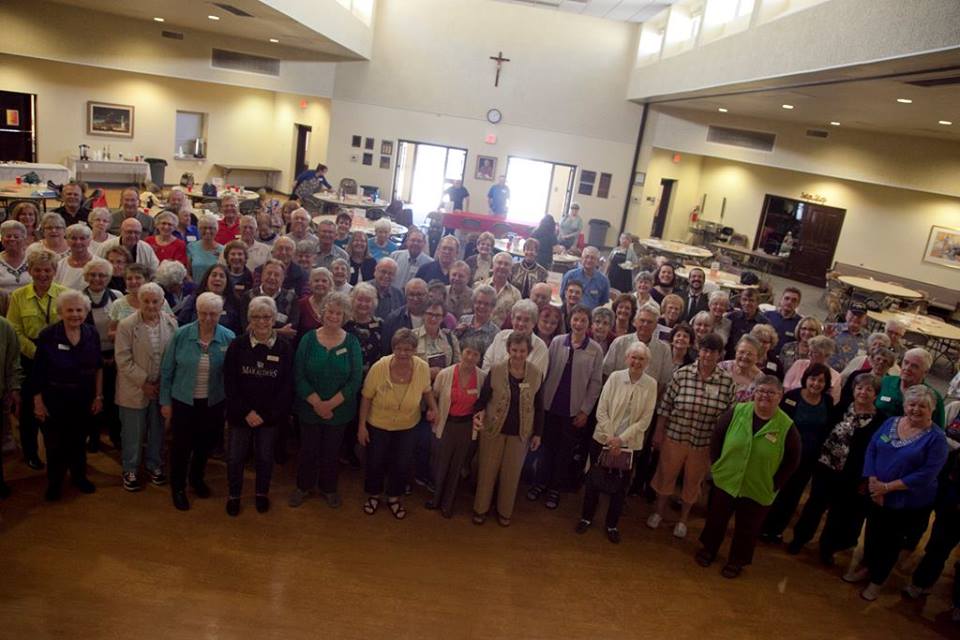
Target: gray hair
{"type": "Point", "coordinates": [72, 295]}
{"type": "Point", "coordinates": [167, 215]}
{"type": "Point", "coordinates": [645, 308]}
{"type": "Point", "coordinates": [646, 276]}
{"type": "Point", "coordinates": [822, 344]}
{"type": "Point", "coordinates": [719, 295]}
{"type": "Point", "coordinates": [303, 212]}
{"type": "Point", "coordinates": [340, 300]}
{"type": "Point", "coordinates": [705, 315]}
{"type": "Point", "coordinates": [39, 256]}
{"type": "Point", "coordinates": [209, 300]}
{"type": "Point", "coordinates": [485, 290]}
{"type": "Point", "coordinates": [100, 262]}
{"type": "Point", "coordinates": [262, 303]}
{"type": "Point", "coordinates": [603, 312]}
{"type": "Point", "coordinates": [307, 245]}
{"type": "Point", "coordinates": [415, 282]}
{"type": "Point", "coordinates": [285, 240]}
{"type": "Point", "coordinates": [229, 196]}
{"type": "Point", "coordinates": [921, 353]}
{"type": "Point", "coordinates": [150, 287]}
{"type": "Point", "coordinates": [877, 339]}
{"type": "Point", "coordinates": [892, 323]}
{"type": "Point", "coordinates": [50, 215]}
{"type": "Point", "coordinates": [78, 229]}
{"type": "Point", "coordinates": [12, 225]}
{"type": "Point", "coordinates": [249, 219]}
{"type": "Point", "coordinates": [337, 261]}
{"type": "Point", "coordinates": [383, 224]}
{"type": "Point", "coordinates": [170, 272]}
{"type": "Point", "coordinates": [322, 271]}
{"type": "Point", "coordinates": [638, 346]}
{"type": "Point", "coordinates": [752, 341]}
{"type": "Point", "coordinates": [764, 331]}
{"type": "Point", "coordinates": [97, 212]}
{"type": "Point", "coordinates": [591, 250]}
{"type": "Point", "coordinates": [364, 288]}
{"type": "Point", "coordinates": [208, 220]}
{"type": "Point", "coordinates": [528, 307]}
{"type": "Point", "coordinates": [916, 392]}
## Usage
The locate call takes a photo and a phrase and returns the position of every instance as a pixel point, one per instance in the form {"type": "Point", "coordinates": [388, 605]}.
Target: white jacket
{"type": "Point", "coordinates": [624, 400]}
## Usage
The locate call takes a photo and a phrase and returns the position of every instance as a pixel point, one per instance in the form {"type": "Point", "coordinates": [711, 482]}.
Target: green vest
{"type": "Point", "coordinates": [749, 461]}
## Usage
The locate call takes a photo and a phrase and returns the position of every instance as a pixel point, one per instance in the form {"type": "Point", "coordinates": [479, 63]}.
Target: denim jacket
{"type": "Point", "coordinates": [178, 372]}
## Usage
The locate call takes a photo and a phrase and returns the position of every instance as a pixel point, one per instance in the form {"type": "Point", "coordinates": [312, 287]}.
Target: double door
{"type": "Point", "coordinates": [812, 229]}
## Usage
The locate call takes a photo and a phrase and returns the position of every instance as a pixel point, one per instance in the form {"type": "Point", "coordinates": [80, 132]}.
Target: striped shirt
{"type": "Point", "coordinates": [692, 405]}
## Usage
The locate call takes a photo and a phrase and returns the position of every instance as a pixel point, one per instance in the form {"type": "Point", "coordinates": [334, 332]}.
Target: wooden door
{"type": "Point", "coordinates": [16, 127]}
{"type": "Point", "coordinates": [303, 146]}
{"type": "Point", "coordinates": [660, 219]}
{"type": "Point", "coordinates": [812, 255]}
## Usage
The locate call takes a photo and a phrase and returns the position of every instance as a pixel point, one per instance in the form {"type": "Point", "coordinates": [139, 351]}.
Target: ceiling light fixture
{"type": "Point", "coordinates": [274, 40]}
{"type": "Point", "coordinates": [834, 123]}
{"type": "Point", "coordinates": [721, 110]}
{"type": "Point", "coordinates": [787, 106]}
{"type": "Point", "coordinates": [946, 123]}
{"type": "Point", "coordinates": [904, 100]}
{"type": "Point", "coordinates": [158, 20]}
{"type": "Point", "coordinates": [214, 18]}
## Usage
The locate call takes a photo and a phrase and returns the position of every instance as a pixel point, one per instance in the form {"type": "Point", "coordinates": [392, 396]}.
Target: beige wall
{"type": "Point", "coordinates": [244, 126]}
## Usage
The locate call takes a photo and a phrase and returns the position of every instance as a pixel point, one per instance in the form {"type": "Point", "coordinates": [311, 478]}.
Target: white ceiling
{"type": "Point", "coordinates": [625, 10]}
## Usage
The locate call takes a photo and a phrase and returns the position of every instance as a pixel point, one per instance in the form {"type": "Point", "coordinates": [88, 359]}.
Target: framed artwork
{"type": "Point", "coordinates": [639, 178]}
{"type": "Point", "coordinates": [12, 118]}
{"type": "Point", "coordinates": [587, 180]}
{"type": "Point", "coordinates": [368, 144]}
{"type": "Point", "coordinates": [943, 247]}
{"type": "Point", "coordinates": [486, 168]}
{"type": "Point", "coordinates": [368, 159]}
{"type": "Point", "coordinates": [603, 188]}
{"type": "Point", "coordinates": [385, 162]}
{"type": "Point", "coordinates": [386, 148]}
{"type": "Point", "coordinates": [356, 142]}
{"type": "Point", "coordinates": [114, 120]}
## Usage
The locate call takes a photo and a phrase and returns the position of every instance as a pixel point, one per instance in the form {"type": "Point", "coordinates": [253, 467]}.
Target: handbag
{"type": "Point", "coordinates": [611, 471]}
{"type": "Point", "coordinates": [623, 461]}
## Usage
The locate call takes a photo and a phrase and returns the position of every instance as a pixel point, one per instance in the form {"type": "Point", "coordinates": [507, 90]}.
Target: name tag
{"type": "Point", "coordinates": [772, 366]}
{"type": "Point", "coordinates": [63, 347]}
{"type": "Point", "coordinates": [771, 437]}
{"type": "Point", "coordinates": [472, 392]}
{"type": "Point", "coordinates": [340, 352]}
{"type": "Point", "coordinates": [789, 402]}
{"type": "Point", "coordinates": [594, 292]}
{"type": "Point", "coordinates": [273, 358]}
{"type": "Point", "coordinates": [191, 238]}
{"type": "Point", "coordinates": [524, 385]}
{"type": "Point", "coordinates": [886, 399]}
{"type": "Point", "coordinates": [789, 334]}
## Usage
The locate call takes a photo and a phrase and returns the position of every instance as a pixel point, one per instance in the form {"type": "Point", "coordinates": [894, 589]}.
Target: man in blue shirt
{"type": "Point", "coordinates": [499, 196]}
{"type": "Point", "coordinates": [785, 317]}
{"type": "Point", "coordinates": [596, 287]}
{"type": "Point", "coordinates": [459, 196]}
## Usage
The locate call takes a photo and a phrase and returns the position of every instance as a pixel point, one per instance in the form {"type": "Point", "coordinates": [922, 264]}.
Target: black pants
{"type": "Point", "coordinates": [319, 449]}
{"type": "Point", "coordinates": [196, 429]}
{"type": "Point", "coordinates": [944, 537]}
{"type": "Point", "coordinates": [389, 460]}
{"type": "Point", "coordinates": [559, 442]}
{"type": "Point", "coordinates": [783, 508]}
{"type": "Point", "coordinates": [746, 529]}
{"type": "Point", "coordinates": [889, 531]}
{"type": "Point", "coordinates": [239, 440]}
{"type": "Point", "coordinates": [644, 464]}
{"type": "Point", "coordinates": [827, 491]}
{"type": "Point", "coordinates": [29, 426]}
{"type": "Point", "coordinates": [591, 494]}
{"type": "Point", "coordinates": [451, 455]}
{"type": "Point", "coordinates": [64, 434]}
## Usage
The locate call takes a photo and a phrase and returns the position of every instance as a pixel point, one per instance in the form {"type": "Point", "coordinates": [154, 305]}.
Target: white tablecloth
{"type": "Point", "coordinates": [56, 172]}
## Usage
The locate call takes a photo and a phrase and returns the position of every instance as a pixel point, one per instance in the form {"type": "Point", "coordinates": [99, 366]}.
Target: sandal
{"type": "Point", "coordinates": [553, 499]}
{"type": "Point", "coordinates": [371, 505]}
{"type": "Point", "coordinates": [479, 518]}
{"type": "Point", "coordinates": [396, 508]}
{"type": "Point", "coordinates": [503, 522]}
{"type": "Point", "coordinates": [535, 492]}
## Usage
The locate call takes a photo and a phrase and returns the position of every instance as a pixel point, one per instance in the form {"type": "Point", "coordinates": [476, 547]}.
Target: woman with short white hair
{"type": "Point", "coordinates": [340, 272]}
{"type": "Point", "coordinates": [70, 269]}
{"type": "Point", "coordinates": [68, 387]}
{"type": "Point", "coordinates": [166, 245]}
{"type": "Point", "coordinates": [380, 245]}
{"type": "Point", "coordinates": [914, 367]}
{"type": "Point", "coordinates": [141, 340]}
{"type": "Point", "coordinates": [861, 363]}
{"type": "Point", "coordinates": [192, 395]}
{"type": "Point", "coordinates": [52, 229]}
{"type": "Point", "coordinates": [204, 253]}
{"type": "Point", "coordinates": [100, 220]}
{"type": "Point", "coordinates": [524, 315]}
{"type": "Point", "coordinates": [13, 258]}
{"type": "Point", "coordinates": [171, 276]}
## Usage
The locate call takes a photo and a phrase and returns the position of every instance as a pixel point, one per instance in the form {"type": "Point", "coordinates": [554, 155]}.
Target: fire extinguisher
{"type": "Point", "coordinates": [695, 215]}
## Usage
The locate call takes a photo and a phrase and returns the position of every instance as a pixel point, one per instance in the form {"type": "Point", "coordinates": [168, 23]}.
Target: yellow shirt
{"type": "Point", "coordinates": [395, 407]}
{"type": "Point", "coordinates": [30, 315]}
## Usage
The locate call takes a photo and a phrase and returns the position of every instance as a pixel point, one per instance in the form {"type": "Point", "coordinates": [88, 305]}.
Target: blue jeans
{"type": "Point", "coordinates": [137, 426]}
{"type": "Point", "coordinates": [239, 440]}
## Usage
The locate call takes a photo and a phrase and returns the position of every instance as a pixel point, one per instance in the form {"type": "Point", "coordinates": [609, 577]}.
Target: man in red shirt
{"type": "Point", "coordinates": [229, 227]}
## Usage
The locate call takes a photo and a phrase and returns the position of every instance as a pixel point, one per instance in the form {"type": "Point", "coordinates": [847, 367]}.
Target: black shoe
{"type": "Point", "coordinates": [180, 500]}
{"type": "Point", "coordinates": [52, 493]}
{"type": "Point", "coordinates": [233, 507]}
{"type": "Point", "coordinates": [731, 571]}
{"type": "Point", "coordinates": [84, 485]}
{"type": "Point", "coordinates": [157, 477]}
{"type": "Point", "coordinates": [794, 547]}
{"type": "Point", "coordinates": [582, 526]}
{"type": "Point", "coordinates": [202, 489]}
{"type": "Point", "coordinates": [4, 490]}
{"type": "Point", "coordinates": [704, 558]}
{"type": "Point", "coordinates": [263, 504]}
{"type": "Point", "coordinates": [613, 535]}
{"type": "Point", "coordinates": [35, 463]}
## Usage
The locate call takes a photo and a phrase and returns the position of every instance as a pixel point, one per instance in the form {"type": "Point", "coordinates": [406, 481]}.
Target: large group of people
{"type": "Point", "coordinates": [249, 333]}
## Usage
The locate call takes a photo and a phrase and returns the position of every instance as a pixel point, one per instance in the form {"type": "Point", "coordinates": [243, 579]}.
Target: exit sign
{"type": "Point", "coordinates": [491, 138]}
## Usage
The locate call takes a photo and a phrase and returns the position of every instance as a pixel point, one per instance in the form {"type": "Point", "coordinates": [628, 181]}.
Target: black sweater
{"type": "Point", "coordinates": [258, 379]}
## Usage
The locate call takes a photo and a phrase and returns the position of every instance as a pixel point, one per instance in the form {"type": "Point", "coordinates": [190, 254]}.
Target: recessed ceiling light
{"type": "Point", "coordinates": [158, 20]}
{"type": "Point", "coordinates": [834, 123]}
{"type": "Point", "coordinates": [904, 100]}
{"type": "Point", "coordinates": [787, 106]}
{"type": "Point", "coordinates": [213, 17]}
{"type": "Point", "coordinates": [721, 110]}
{"type": "Point", "coordinates": [274, 40]}
{"type": "Point", "coordinates": [946, 122]}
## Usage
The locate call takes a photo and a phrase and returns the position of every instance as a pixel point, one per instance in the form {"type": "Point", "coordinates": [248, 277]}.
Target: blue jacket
{"type": "Point", "coordinates": [178, 371]}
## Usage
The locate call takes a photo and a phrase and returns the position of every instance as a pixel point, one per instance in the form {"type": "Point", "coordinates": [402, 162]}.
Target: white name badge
{"type": "Point", "coordinates": [472, 392]}
{"type": "Point", "coordinates": [524, 385]}
{"type": "Point", "coordinates": [191, 238]}
{"type": "Point", "coordinates": [63, 347]}
{"type": "Point", "coordinates": [273, 358]}
{"type": "Point", "coordinates": [789, 402]}
{"type": "Point", "coordinates": [771, 437]}
{"type": "Point", "coordinates": [772, 366]}
{"type": "Point", "coordinates": [886, 399]}
{"type": "Point", "coordinates": [340, 352]}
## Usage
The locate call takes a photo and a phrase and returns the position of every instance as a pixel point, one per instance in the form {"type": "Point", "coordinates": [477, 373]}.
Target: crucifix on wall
{"type": "Point", "coordinates": [499, 59]}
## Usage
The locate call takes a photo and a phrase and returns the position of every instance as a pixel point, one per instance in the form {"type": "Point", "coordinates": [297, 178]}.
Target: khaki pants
{"type": "Point", "coordinates": [501, 457]}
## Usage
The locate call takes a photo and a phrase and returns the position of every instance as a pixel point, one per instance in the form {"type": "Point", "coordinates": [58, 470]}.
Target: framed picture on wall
{"type": "Point", "coordinates": [368, 159]}
{"type": "Point", "coordinates": [368, 144]}
{"type": "Point", "coordinates": [943, 247]}
{"type": "Point", "coordinates": [587, 180]}
{"type": "Point", "coordinates": [356, 141]}
{"type": "Point", "coordinates": [385, 162]}
{"type": "Point", "coordinates": [12, 118]}
{"type": "Point", "coordinates": [114, 120]}
{"type": "Point", "coordinates": [486, 168]}
{"type": "Point", "coordinates": [603, 188]}
{"type": "Point", "coordinates": [386, 148]}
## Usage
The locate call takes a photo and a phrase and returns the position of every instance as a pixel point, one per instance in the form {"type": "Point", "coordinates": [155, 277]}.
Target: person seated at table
{"type": "Point", "coordinates": [284, 250]}
{"type": "Point", "coordinates": [481, 263]}
{"type": "Point", "coordinates": [546, 235]}
{"type": "Point", "coordinates": [785, 317]}
{"type": "Point", "coordinates": [446, 255]}
{"type": "Point", "coordinates": [459, 296]}
{"type": "Point", "coordinates": [620, 278]}
{"type": "Point", "coordinates": [642, 285]}
{"type": "Point", "coordinates": [165, 245]}
{"type": "Point", "coordinates": [624, 309]}
{"type": "Point", "coordinates": [52, 230]}
{"type": "Point", "coordinates": [362, 261]}
{"type": "Point", "coordinates": [914, 367]}
{"type": "Point", "coordinates": [526, 273]}
{"type": "Point", "coordinates": [596, 287]}
{"type": "Point", "coordinates": [130, 208]}
{"type": "Point", "coordinates": [99, 222]}
{"type": "Point", "coordinates": [665, 282]}
{"type": "Point", "coordinates": [671, 312]}
{"type": "Point", "coordinates": [381, 246]}
{"type": "Point", "coordinates": [228, 228]}
{"type": "Point", "coordinates": [862, 363]}
{"type": "Point", "coordinates": [767, 361]}
{"type": "Point", "coordinates": [743, 367]}
{"type": "Point", "coordinates": [412, 257]}
{"type": "Point", "coordinates": [344, 222]}
{"type": "Point", "coordinates": [850, 336]}
{"type": "Point", "coordinates": [507, 294]}
{"type": "Point", "coordinates": [745, 318]}
{"type": "Point", "coordinates": [601, 321]}
{"type": "Point", "coordinates": [458, 195]}
{"type": "Point", "coordinates": [571, 226]}
{"type": "Point", "coordinates": [807, 328]}
{"type": "Point", "coordinates": [821, 348]}
{"type": "Point", "coordinates": [72, 210]}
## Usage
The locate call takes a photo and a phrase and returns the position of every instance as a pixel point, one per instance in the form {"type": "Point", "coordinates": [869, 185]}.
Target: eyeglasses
{"type": "Point", "coordinates": [766, 392]}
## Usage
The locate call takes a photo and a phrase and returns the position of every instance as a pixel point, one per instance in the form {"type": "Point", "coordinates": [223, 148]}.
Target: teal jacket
{"type": "Point", "coordinates": [178, 371]}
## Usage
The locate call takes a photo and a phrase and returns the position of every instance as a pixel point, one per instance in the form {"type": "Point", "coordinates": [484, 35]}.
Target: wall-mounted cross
{"type": "Point", "coordinates": [499, 59]}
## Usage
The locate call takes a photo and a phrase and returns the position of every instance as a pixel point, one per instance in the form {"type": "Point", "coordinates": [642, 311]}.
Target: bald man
{"type": "Point", "coordinates": [131, 232]}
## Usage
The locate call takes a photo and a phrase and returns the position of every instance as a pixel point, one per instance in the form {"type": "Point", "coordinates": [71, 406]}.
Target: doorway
{"type": "Point", "coordinates": [303, 148]}
{"type": "Point", "coordinates": [813, 230]}
{"type": "Point", "coordinates": [663, 208]}
{"type": "Point", "coordinates": [538, 187]}
{"type": "Point", "coordinates": [18, 136]}
{"type": "Point", "coordinates": [423, 173]}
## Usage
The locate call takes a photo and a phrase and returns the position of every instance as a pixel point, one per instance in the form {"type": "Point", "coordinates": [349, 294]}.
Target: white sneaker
{"type": "Point", "coordinates": [871, 592]}
{"type": "Point", "coordinates": [654, 520]}
{"type": "Point", "coordinates": [680, 530]}
{"type": "Point", "coordinates": [856, 575]}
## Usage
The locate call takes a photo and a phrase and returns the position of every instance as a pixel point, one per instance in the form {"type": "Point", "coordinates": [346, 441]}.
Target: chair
{"type": "Point", "coordinates": [500, 230]}
{"type": "Point", "coordinates": [405, 218]}
{"type": "Point", "coordinates": [349, 186]}
{"type": "Point", "coordinates": [375, 214]}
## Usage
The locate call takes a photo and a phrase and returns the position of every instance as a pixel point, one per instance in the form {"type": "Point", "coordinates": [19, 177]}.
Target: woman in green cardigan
{"type": "Point", "coordinates": [755, 448]}
{"type": "Point", "coordinates": [328, 369]}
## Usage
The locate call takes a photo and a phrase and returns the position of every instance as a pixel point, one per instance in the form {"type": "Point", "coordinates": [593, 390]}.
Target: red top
{"type": "Point", "coordinates": [462, 400]}
{"type": "Point", "coordinates": [226, 233]}
{"type": "Point", "coordinates": [176, 250]}
{"type": "Point", "coordinates": [308, 318]}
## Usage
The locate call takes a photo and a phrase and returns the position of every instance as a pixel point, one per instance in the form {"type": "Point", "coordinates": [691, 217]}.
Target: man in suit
{"type": "Point", "coordinates": [695, 299]}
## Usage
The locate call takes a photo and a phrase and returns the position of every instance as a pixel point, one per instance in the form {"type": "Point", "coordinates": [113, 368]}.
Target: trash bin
{"type": "Point", "coordinates": [157, 169]}
{"type": "Point", "coordinates": [598, 233]}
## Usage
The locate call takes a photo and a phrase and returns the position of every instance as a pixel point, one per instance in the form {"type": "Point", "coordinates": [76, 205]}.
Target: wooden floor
{"type": "Point", "coordinates": [116, 564]}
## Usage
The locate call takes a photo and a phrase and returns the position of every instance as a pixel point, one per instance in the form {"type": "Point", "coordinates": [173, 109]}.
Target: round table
{"type": "Point", "coordinates": [514, 250]}
{"type": "Point", "coordinates": [878, 286]}
{"type": "Point", "coordinates": [942, 338]}
{"type": "Point", "coordinates": [36, 193]}
{"type": "Point", "coordinates": [355, 202]}
{"type": "Point", "coordinates": [722, 279]}
{"type": "Point", "coordinates": [676, 248]}
{"type": "Point", "coordinates": [362, 223]}
{"type": "Point", "coordinates": [242, 196]}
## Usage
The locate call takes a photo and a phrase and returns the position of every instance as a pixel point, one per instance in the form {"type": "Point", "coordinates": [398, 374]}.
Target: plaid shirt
{"type": "Point", "coordinates": [692, 405]}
